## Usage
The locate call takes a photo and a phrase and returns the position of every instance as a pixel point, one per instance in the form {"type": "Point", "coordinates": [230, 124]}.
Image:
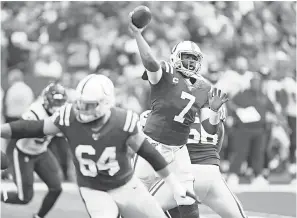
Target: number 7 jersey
{"type": "Point", "coordinates": [174, 106]}
{"type": "Point", "coordinates": [101, 158]}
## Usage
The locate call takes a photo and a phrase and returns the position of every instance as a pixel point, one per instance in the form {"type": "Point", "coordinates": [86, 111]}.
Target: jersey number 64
{"type": "Point", "coordinates": [107, 161]}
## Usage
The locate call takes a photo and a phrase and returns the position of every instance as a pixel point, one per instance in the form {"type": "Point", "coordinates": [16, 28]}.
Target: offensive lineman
{"type": "Point", "coordinates": [178, 92]}
{"type": "Point", "coordinates": [31, 155]}
{"type": "Point", "coordinates": [99, 136]}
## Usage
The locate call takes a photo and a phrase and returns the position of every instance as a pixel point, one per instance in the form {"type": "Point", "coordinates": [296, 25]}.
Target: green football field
{"type": "Point", "coordinates": [273, 201]}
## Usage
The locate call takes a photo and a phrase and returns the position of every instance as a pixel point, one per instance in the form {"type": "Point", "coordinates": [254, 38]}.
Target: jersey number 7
{"type": "Point", "coordinates": [107, 161]}
{"type": "Point", "coordinates": [184, 95]}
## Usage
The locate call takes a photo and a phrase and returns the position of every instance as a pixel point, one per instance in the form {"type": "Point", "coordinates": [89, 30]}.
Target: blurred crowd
{"type": "Point", "coordinates": [247, 46]}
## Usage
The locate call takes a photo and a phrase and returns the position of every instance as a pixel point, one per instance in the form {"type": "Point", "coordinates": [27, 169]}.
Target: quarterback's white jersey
{"type": "Point", "coordinates": [34, 146]}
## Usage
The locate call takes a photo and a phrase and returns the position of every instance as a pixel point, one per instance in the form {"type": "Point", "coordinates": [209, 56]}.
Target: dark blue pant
{"type": "Point", "coordinates": [23, 167]}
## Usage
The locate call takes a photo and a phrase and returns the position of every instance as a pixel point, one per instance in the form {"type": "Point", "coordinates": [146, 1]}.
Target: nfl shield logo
{"type": "Point", "coordinates": [175, 80]}
{"type": "Point", "coordinates": [95, 136]}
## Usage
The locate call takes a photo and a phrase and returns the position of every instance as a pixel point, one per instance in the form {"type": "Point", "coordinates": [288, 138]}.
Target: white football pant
{"type": "Point", "coordinates": [180, 164]}
{"type": "Point", "coordinates": [130, 200]}
{"type": "Point", "coordinates": [212, 190]}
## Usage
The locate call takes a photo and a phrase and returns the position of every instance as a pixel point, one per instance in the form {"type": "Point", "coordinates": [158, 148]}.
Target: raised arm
{"type": "Point", "coordinates": [210, 116]}
{"type": "Point", "coordinates": [29, 128]}
{"type": "Point", "coordinates": [154, 71]}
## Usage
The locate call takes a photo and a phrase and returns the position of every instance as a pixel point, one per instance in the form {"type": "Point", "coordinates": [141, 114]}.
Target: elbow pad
{"type": "Point", "coordinates": [151, 155]}
{"type": "Point", "coordinates": [27, 129]}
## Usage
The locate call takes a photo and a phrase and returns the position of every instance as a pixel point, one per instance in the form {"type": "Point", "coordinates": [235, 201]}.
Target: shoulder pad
{"type": "Point", "coordinates": [35, 112]}
{"type": "Point", "coordinates": [30, 115]}
{"type": "Point", "coordinates": [202, 83]}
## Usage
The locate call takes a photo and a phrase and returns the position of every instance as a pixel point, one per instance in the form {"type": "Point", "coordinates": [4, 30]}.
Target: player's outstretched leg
{"type": "Point", "coordinates": [23, 168]}
{"type": "Point", "coordinates": [134, 200]}
{"type": "Point", "coordinates": [48, 170]}
{"type": "Point", "coordinates": [99, 203]}
{"type": "Point", "coordinates": [214, 192]}
{"type": "Point", "coordinates": [181, 165]}
{"type": "Point", "coordinates": [13, 197]}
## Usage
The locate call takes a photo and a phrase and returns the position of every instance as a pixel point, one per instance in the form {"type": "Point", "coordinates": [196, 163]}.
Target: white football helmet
{"type": "Point", "coordinates": [186, 66]}
{"type": "Point", "coordinates": [95, 98]}
{"type": "Point", "coordinates": [143, 117]}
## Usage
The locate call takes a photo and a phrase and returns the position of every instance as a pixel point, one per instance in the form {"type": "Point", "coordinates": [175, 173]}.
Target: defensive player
{"type": "Point", "coordinates": [99, 136]}
{"type": "Point", "coordinates": [209, 184]}
{"type": "Point", "coordinates": [177, 93]}
{"type": "Point", "coordinates": [31, 155]}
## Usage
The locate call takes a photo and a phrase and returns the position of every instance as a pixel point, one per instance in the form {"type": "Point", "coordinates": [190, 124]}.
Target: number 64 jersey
{"type": "Point", "coordinates": [101, 158]}
{"type": "Point", "coordinates": [174, 104]}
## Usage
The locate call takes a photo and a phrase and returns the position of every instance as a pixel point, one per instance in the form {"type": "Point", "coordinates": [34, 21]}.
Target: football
{"type": "Point", "coordinates": [141, 16]}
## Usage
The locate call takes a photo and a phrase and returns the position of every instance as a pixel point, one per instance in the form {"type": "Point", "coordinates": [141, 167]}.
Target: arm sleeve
{"type": "Point", "coordinates": [27, 129]}
{"type": "Point", "coordinates": [140, 144]}
{"type": "Point", "coordinates": [151, 155]}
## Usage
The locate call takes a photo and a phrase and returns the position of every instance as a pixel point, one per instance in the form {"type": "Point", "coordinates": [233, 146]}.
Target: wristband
{"type": "Point", "coordinates": [214, 117]}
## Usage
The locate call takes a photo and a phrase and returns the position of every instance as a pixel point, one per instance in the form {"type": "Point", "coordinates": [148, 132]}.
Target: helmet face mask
{"type": "Point", "coordinates": [186, 57]}
{"type": "Point", "coordinates": [54, 96]}
{"type": "Point", "coordinates": [88, 111]}
{"type": "Point", "coordinates": [96, 98]}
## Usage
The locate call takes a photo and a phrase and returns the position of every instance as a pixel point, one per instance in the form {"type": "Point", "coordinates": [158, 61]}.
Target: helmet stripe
{"type": "Point", "coordinates": [174, 48]}
{"type": "Point", "coordinates": [87, 79]}
{"type": "Point", "coordinates": [193, 46]}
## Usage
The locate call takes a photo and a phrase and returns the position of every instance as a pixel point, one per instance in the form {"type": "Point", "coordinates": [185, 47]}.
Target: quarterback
{"type": "Point", "coordinates": [178, 93]}
{"type": "Point", "coordinates": [100, 136]}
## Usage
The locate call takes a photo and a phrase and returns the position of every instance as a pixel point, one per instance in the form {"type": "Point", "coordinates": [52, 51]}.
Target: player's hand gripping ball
{"type": "Point", "coordinates": [141, 16]}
